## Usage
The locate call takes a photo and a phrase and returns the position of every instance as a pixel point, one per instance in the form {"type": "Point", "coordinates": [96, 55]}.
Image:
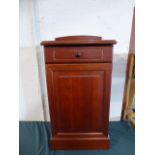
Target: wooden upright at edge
{"type": "Point", "coordinates": [78, 73]}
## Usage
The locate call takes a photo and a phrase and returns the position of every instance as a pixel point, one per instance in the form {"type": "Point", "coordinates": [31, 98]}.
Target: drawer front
{"type": "Point", "coordinates": [78, 54]}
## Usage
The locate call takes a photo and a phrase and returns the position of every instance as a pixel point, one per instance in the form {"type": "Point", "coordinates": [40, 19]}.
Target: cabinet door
{"type": "Point", "coordinates": [79, 96]}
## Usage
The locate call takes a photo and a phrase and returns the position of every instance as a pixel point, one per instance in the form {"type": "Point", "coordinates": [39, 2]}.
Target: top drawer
{"type": "Point", "coordinates": [78, 54]}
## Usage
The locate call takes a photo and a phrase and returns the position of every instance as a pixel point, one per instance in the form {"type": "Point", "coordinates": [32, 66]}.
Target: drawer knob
{"type": "Point", "coordinates": [78, 55]}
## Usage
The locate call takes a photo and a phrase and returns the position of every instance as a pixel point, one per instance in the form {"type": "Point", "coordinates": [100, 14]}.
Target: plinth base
{"type": "Point", "coordinates": [86, 143]}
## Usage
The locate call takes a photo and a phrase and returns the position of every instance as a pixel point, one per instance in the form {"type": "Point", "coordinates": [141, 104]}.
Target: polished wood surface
{"type": "Point", "coordinates": [81, 38]}
{"type": "Point", "coordinates": [78, 40]}
{"type": "Point", "coordinates": [79, 94]}
{"type": "Point", "coordinates": [78, 54]}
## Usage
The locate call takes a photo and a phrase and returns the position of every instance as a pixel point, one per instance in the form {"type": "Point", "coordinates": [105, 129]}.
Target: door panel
{"type": "Point", "coordinates": [77, 97]}
{"type": "Point", "coordinates": [79, 101]}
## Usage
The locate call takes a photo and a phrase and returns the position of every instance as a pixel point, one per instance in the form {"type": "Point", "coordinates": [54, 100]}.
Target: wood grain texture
{"type": "Point", "coordinates": [70, 54]}
{"type": "Point", "coordinates": [81, 38]}
{"type": "Point", "coordinates": [71, 43]}
{"type": "Point", "coordinates": [78, 40]}
{"type": "Point", "coordinates": [80, 143]}
{"type": "Point", "coordinates": [79, 93]}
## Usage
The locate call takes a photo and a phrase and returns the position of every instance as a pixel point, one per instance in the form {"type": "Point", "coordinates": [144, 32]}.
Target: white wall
{"type": "Point", "coordinates": [30, 95]}
{"type": "Point", "coordinates": [47, 19]}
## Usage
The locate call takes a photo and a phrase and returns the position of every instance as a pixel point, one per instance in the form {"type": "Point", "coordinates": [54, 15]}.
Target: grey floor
{"type": "Point", "coordinates": [34, 136]}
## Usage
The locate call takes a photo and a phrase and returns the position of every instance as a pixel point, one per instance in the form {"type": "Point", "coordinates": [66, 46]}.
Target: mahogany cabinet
{"type": "Point", "coordinates": [78, 73]}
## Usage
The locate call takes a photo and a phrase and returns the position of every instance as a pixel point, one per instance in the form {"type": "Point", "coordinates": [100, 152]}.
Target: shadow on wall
{"type": "Point", "coordinates": [119, 65]}
{"type": "Point", "coordinates": [117, 88]}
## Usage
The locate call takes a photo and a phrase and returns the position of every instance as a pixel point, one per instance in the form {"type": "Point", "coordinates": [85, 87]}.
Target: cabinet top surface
{"type": "Point", "coordinates": [78, 40]}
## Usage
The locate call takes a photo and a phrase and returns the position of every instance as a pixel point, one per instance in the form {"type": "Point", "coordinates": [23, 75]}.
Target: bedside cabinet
{"type": "Point", "coordinates": [78, 73]}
